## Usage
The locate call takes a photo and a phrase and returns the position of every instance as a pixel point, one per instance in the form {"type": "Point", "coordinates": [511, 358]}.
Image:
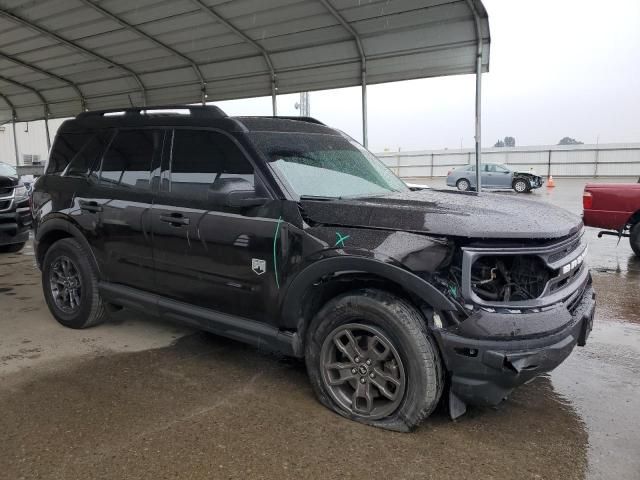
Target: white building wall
{"type": "Point", "coordinates": [32, 140]}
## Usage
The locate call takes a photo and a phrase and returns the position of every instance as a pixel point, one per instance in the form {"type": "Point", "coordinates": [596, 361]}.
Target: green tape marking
{"type": "Point", "coordinates": [275, 251]}
{"type": "Point", "coordinates": [340, 239]}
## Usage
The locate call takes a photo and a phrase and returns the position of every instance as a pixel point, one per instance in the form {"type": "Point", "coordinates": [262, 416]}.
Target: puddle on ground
{"type": "Point", "coordinates": [200, 405]}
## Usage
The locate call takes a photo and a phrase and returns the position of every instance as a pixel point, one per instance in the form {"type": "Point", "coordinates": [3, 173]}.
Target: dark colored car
{"type": "Point", "coordinates": [494, 176]}
{"type": "Point", "coordinates": [614, 207]}
{"type": "Point", "coordinates": [288, 235]}
{"type": "Point", "coordinates": [15, 213]}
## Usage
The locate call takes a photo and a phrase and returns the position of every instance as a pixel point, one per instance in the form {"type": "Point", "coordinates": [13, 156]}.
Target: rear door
{"type": "Point", "coordinates": [488, 175]}
{"type": "Point", "coordinates": [206, 254]}
{"type": "Point", "coordinates": [119, 201]}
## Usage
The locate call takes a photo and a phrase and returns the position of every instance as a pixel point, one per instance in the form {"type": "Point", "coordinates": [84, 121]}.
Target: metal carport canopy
{"type": "Point", "coordinates": [59, 57]}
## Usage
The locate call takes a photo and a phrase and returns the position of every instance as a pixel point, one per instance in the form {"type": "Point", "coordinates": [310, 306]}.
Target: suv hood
{"type": "Point", "coordinates": [450, 213]}
{"type": "Point", "coordinates": [8, 181]}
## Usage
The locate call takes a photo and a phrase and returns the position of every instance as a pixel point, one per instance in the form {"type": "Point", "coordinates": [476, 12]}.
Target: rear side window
{"type": "Point", "coordinates": [129, 158]}
{"type": "Point", "coordinates": [199, 158]}
{"type": "Point", "coordinates": [64, 150]}
{"type": "Point", "coordinates": [89, 156]}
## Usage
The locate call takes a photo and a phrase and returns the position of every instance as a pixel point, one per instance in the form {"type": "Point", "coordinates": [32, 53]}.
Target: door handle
{"type": "Point", "coordinates": [91, 206]}
{"type": "Point", "coordinates": [175, 219]}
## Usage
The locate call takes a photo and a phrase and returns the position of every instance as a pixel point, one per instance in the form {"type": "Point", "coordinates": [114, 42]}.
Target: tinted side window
{"type": "Point", "coordinates": [89, 156]}
{"type": "Point", "coordinates": [199, 158]}
{"type": "Point", "coordinates": [65, 148]}
{"type": "Point", "coordinates": [129, 157]}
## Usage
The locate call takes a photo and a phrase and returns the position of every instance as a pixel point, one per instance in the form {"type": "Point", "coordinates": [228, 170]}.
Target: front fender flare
{"type": "Point", "coordinates": [294, 296]}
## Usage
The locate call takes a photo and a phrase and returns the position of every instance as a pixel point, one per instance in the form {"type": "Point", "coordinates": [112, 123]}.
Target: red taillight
{"type": "Point", "coordinates": [449, 172]}
{"type": "Point", "coordinates": [587, 200]}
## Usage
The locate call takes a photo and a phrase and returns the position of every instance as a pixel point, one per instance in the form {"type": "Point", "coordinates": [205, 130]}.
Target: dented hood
{"type": "Point", "coordinates": [450, 213]}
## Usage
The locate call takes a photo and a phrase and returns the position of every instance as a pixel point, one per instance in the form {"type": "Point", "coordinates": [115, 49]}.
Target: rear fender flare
{"type": "Point", "coordinates": [47, 227]}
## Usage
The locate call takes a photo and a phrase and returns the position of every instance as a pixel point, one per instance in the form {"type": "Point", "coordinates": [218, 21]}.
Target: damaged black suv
{"type": "Point", "coordinates": [289, 235]}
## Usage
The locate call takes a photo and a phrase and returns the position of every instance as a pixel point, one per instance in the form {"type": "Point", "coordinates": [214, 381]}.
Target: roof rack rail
{"type": "Point", "coordinates": [201, 111]}
{"type": "Point", "coordinates": [301, 119]}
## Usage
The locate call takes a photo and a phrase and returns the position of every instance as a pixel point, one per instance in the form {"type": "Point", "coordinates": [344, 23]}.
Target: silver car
{"type": "Point", "coordinates": [494, 176]}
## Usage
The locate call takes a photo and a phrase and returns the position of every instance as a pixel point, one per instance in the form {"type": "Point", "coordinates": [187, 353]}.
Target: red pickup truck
{"type": "Point", "coordinates": [614, 207]}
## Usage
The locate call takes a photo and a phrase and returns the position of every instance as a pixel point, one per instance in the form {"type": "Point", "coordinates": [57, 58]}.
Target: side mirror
{"type": "Point", "coordinates": [244, 198]}
{"type": "Point", "coordinates": [235, 192]}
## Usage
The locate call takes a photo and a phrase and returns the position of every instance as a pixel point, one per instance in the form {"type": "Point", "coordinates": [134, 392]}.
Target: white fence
{"type": "Point", "coordinates": [604, 160]}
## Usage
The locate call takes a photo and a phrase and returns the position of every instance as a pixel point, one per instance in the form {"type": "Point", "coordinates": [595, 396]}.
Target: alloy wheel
{"type": "Point", "coordinates": [463, 185]}
{"type": "Point", "coordinates": [520, 186]}
{"type": "Point", "coordinates": [362, 370]}
{"type": "Point", "coordinates": [66, 285]}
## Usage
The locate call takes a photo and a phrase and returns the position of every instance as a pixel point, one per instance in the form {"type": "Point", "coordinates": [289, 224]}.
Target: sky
{"type": "Point", "coordinates": [557, 68]}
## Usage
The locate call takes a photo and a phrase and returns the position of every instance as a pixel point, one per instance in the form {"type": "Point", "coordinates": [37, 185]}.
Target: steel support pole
{"type": "Point", "coordinates": [478, 135]}
{"type": "Point", "coordinates": [203, 93]}
{"type": "Point", "coordinates": [274, 100]}
{"type": "Point", "coordinates": [15, 140]}
{"type": "Point", "coordinates": [365, 126]}
{"type": "Point", "coordinates": [46, 126]}
{"type": "Point", "coordinates": [46, 129]}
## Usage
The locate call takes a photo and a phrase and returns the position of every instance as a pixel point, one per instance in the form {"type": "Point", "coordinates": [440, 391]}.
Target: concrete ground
{"type": "Point", "coordinates": [138, 398]}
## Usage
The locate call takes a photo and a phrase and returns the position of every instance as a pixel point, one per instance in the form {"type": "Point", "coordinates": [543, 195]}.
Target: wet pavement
{"type": "Point", "coordinates": [138, 398]}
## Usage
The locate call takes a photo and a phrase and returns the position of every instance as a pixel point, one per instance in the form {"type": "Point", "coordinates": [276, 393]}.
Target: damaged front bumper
{"type": "Point", "coordinates": [15, 222]}
{"type": "Point", "coordinates": [491, 353]}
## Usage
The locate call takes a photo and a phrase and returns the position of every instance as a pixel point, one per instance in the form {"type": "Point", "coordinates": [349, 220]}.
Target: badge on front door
{"type": "Point", "coordinates": [258, 266]}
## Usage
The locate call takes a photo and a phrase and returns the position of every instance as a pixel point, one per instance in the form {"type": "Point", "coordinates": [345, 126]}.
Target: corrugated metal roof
{"type": "Point", "coordinates": [66, 55]}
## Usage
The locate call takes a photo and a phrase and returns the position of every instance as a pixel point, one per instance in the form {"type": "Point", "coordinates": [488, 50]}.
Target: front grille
{"type": "Point", "coordinates": [506, 278]}
{"type": "Point", "coordinates": [573, 302]}
{"type": "Point", "coordinates": [4, 204]}
{"type": "Point", "coordinates": [559, 282]}
{"type": "Point", "coordinates": [564, 252]}
{"type": "Point", "coordinates": [6, 191]}
{"type": "Point", "coordinates": [523, 277]}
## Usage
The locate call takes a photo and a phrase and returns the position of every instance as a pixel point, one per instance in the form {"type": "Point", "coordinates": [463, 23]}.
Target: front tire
{"type": "Point", "coordinates": [634, 239]}
{"type": "Point", "coordinates": [70, 286]}
{"type": "Point", "coordinates": [463, 185]}
{"type": "Point", "coordinates": [370, 359]}
{"type": "Point", "coordinates": [521, 186]}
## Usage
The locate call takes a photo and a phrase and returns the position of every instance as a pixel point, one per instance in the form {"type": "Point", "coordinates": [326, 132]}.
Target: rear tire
{"type": "Point", "coordinates": [387, 373]}
{"type": "Point", "coordinates": [634, 239]}
{"type": "Point", "coordinates": [13, 248]}
{"type": "Point", "coordinates": [70, 286]}
{"type": "Point", "coordinates": [463, 185]}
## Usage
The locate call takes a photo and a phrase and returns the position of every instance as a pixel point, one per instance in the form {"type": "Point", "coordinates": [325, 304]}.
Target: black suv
{"type": "Point", "coordinates": [289, 235]}
{"type": "Point", "coordinates": [15, 213]}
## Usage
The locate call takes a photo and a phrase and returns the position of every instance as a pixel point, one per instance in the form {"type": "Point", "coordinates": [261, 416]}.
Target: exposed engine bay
{"type": "Point", "coordinates": [509, 278]}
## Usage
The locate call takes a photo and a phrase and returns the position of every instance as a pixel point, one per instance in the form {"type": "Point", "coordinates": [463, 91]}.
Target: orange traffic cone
{"type": "Point", "coordinates": [550, 182]}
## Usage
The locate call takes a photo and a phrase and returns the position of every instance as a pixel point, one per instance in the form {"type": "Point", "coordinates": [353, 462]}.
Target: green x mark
{"type": "Point", "coordinates": [340, 239]}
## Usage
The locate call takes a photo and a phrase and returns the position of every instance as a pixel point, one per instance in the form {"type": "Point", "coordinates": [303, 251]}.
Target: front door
{"type": "Point", "coordinates": [207, 254]}
{"type": "Point", "coordinates": [502, 177]}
